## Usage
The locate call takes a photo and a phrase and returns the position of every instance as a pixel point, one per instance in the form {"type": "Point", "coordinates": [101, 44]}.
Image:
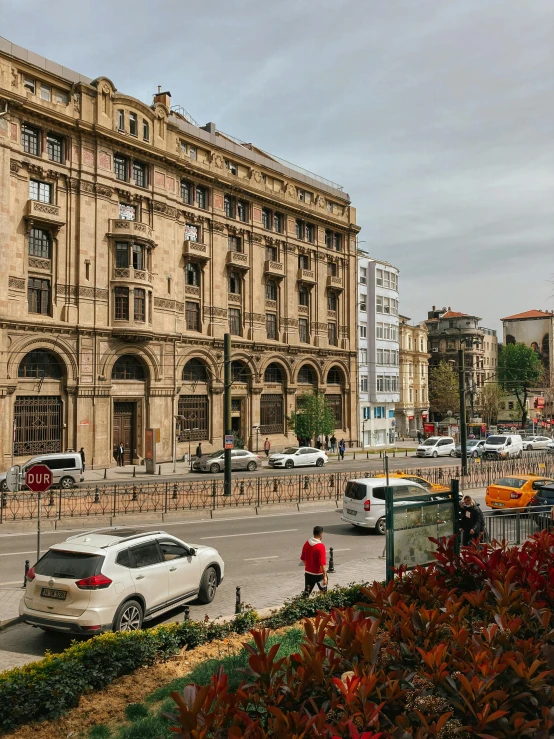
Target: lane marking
{"type": "Point", "coordinates": [341, 550]}
{"type": "Point", "coordinates": [255, 559]}
{"type": "Point", "coordinates": [249, 533]}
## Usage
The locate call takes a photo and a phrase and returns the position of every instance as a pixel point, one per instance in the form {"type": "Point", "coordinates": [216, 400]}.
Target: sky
{"type": "Point", "coordinates": [436, 117]}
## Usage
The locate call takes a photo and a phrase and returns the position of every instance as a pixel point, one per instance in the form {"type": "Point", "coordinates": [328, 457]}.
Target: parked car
{"type": "Point", "coordinates": [116, 579]}
{"type": "Point", "coordinates": [363, 502]}
{"type": "Point", "coordinates": [241, 459]}
{"type": "Point", "coordinates": [303, 456]}
{"type": "Point", "coordinates": [503, 446]}
{"type": "Point", "coordinates": [474, 448]}
{"type": "Point", "coordinates": [543, 504]}
{"type": "Point", "coordinates": [429, 486]}
{"type": "Point", "coordinates": [437, 446]}
{"type": "Point", "coordinates": [514, 491]}
{"type": "Point", "coordinates": [67, 469]}
{"type": "Point", "coordinates": [536, 442]}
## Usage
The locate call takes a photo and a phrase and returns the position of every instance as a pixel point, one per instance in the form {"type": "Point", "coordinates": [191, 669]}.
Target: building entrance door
{"type": "Point", "coordinates": [124, 424]}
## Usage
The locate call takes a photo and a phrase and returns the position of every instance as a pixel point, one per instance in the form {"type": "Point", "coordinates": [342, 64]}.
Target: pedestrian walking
{"type": "Point", "coordinates": [82, 453]}
{"type": "Point", "coordinates": [314, 558]}
{"type": "Point", "coordinates": [121, 455]}
{"type": "Point", "coordinates": [267, 446]}
{"type": "Point", "coordinates": [342, 449]}
{"type": "Point", "coordinates": [198, 451]}
{"type": "Point", "coordinates": [318, 442]}
{"type": "Point", "coordinates": [326, 442]}
{"type": "Point", "coordinates": [116, 453]}
{"type": "Point", "coordinates": [419, 437]}
{"type": "Point", "coordinates": [333, 441]}
{"type": "Point", "coordinates": [472, 521]}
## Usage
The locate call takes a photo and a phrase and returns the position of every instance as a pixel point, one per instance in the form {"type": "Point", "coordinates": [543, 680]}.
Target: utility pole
{"type": "Point", "coordinates": [462, 389]}
{"type": "Point", "coordinates": [227, 430]}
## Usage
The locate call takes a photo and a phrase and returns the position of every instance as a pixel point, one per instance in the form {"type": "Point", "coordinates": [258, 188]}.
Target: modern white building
{"type": "Point", "coordinates": [378, 350]}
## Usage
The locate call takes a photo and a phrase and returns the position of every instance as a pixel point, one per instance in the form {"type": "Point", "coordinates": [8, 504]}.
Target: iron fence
{"type": "Point", "coordinates": [515, 527]}
{"type": "Point", "coordinates": [167, 496]}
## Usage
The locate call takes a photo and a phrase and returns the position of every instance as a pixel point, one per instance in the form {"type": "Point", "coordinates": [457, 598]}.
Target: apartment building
{"type": "Point", "coordinates": [132, 240]}
{"type": "Point", "coordinates": [378, 350]}
{"type": "Point", "coordinates": [412, 410]}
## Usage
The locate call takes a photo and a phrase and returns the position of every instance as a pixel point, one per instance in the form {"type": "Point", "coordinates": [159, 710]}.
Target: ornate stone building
{"type": "Point", "coordinates": [131, 240]}
{"type": "Point", "coordinates": [413, 409]}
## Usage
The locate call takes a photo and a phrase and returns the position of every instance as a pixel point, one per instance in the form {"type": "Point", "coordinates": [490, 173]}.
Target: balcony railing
{"type": "Point", "coordinates": [274, 269]}
{"type": "Point", "coordinates": [196, 249]}
{"type": "Point", "coordinates": [135, 275]}
{"type": "Point", "coordinates": [334, 282]}
{"type": "Point", "coordinates": [238, 259]}
{"type": "Point", "coordinates": [44, 213]}
{"type": "Point", "coordinates": [120, 227]}
{"type": "Point", "coordinates": [306, 275]}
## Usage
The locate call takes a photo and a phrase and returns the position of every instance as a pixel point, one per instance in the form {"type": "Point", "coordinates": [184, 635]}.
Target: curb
{"type": "Point", "coordinates": [9, 622]}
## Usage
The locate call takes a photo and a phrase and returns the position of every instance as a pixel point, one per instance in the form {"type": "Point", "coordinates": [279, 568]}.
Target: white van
{"type": "Point", "coordinates": [437, 446]}
{"type": "Point", "coordinates": [67, 469]}
{"type": "Point", "coordinates": [363, 502]}
{"type": "Point", "coordinates": [503, 446]}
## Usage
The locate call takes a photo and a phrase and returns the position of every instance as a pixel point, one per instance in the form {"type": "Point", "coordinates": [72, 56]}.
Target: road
{"type": "Point", "coordinates": [261, 555]}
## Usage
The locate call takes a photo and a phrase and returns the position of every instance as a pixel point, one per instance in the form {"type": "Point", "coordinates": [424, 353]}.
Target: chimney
{"type": "Point", "coordinates": [434, 308]}
{"type": "Point", "coordinates": [210, 128]}
{"type": "Point", "coordinates": [163, 97]}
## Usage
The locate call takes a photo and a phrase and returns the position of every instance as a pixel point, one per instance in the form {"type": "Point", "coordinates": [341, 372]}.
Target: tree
{"type": "Point", "coordinates": [489, 400]}
{"type": "Point", "coordinates": [443, 389]}
{"type": "Point", "coordinates": [519, 371]}
{"type": "Point", "coordinates": [313, 417]}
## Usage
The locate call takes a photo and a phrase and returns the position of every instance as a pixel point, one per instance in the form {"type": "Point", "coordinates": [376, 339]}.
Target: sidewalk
{"type": "Point", "coordinates": [9, 605]}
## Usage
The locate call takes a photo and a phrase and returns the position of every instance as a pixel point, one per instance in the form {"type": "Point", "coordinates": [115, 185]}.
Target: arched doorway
{"type": "Point", "coordinates": [194, 405]}
{"type": "Point", "coordinates": [240, 378]}
{"type": "Point", "coordinates": [272, 400]}
{"type": "Point", "coordinates": [335, 395]}
{"type": "Point", "coordinates": [38, 409]}
{"type": "Point", "coordinates": [129, 373]}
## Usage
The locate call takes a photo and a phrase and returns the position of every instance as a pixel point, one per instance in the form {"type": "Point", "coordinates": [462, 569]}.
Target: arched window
{"type": "Point", "coordinates": [192, 274]}
{"type": "Point", "coordinates": [40, 243]}
{"type": "Point", "coordinates": [40, 363]}
{"type": "Point", "coordinates": [195, 370]}
{"type": "Point", "coordinates": [306, 375]}
{"type": "Point", "coordinates": [128, 367]}
{"type": "Point", "coordinates": [273, 374]}
{"type": "Point", "coordinates": [335, 376]}
{"type": "Point", "coordinates": [239, 371]}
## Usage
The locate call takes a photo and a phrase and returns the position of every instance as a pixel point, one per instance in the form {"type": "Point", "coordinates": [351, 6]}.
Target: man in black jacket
{"type": "Point", "coordinates": [472, 521]}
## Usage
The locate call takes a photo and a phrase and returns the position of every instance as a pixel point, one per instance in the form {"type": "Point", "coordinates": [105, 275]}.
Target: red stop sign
{"type": "Point", "coordinates": [38, 478]}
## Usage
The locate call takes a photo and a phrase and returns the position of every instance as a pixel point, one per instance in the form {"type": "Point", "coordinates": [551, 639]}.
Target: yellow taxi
{"type": "Point", "coordinates": [514, 491]}
{"type": "Point", "coordinates": [431, 486]}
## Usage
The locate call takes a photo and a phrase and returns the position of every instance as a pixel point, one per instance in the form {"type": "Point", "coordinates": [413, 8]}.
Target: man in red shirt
{"type": "Point", "coordinates": [315, 561]}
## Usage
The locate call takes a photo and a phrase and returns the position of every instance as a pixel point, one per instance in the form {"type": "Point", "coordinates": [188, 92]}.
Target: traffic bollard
{"type": "Point", "coordinates": [4, 500]}
{"type": "Point", "coordinates": [238, 604]}
{"type": "Point", "coordinates": [331, 567]}
{"type": "Point", "coordinates": [406, 452]}
{"type": "Point", "coordinates": [96, 495]}
{"type": "Point", "coordinates": [51, 501]}
{"type": "Point", "coordinates": [134, 471]}
{"type": "Point", "coordinates": [105, 473]}
{"type": "Point", "coordinates": [186, 613]}
{"type": "Point", "coordinates": [159, 469]}
{"type": "Point", "coordinates": [26, 571]}
{"type": "Point", "coordinates": [134, 493]}
{"type": "Point", "coordinates": [174, 495]}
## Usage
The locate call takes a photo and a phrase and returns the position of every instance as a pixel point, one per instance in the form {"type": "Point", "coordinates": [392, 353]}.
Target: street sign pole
{"type": "Point", "coordinates": [38, 524]}
{"type": "Point", "coordinates": [39, 479]}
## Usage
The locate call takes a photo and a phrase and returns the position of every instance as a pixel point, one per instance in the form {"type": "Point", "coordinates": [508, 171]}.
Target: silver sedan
{"type": "Point", "coordinates": [241, 459]}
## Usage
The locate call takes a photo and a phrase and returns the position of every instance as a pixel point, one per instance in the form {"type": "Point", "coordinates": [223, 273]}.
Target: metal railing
{"type": "Point", "coordinates": [515, 527]}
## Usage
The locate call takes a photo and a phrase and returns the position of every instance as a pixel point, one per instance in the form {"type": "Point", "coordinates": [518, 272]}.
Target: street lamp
{"type": "Point", "coordinates": [364, 421]}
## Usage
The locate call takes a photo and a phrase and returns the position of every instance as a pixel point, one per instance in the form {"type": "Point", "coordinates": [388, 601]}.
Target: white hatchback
{"type": "Point", "coordinates": [363, 503]}
{"type": "Point", "coordinates": [116, 579]}
{"type": "Point", "coordinates": [437, 446]}
{"type": "Point", "coordinates": [305, 456]}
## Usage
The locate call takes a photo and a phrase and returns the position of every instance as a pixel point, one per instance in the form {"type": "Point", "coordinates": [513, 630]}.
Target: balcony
{"type": "Point", "coordinates": [334, 282]}
{"type": "Point", "coordinates": [196, 250]}
{"type": "Point", "coordinates": [238, 260]}
{"type": "Point", "coordinates": [134, 229]}
{"type": "Point", "coordinates": [47, 213]}
{"type": "Point", "coordinates": [133, 333]}
{"type": "Point", "coordinates": [306, 275]}
{"type": "Point", "coordinates": [274, 269]}
{"type": "Point", "coordinates": [134, 275]}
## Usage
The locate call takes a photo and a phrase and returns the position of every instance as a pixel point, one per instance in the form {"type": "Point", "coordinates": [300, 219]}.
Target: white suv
{"type": "Point", "coordinates": [115, 579]}
{"type": "Point", "coordinates": [363, 503]}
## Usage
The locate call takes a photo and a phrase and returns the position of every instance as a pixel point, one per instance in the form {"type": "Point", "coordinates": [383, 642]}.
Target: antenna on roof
{"type": "Point", "coordinates": [159, 88]}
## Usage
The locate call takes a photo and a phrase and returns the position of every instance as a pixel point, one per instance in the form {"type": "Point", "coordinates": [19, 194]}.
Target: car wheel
{"type": "Point", "coordinates": [128, 617]}
{"type": "Point", "coordinates": [453, 453]}
{"type": "Point", "coordinates": [319, 462]}
{"type": "Point", "coordinates": [381, 526]}
{"type": "Point", "coordinates": [435, 454]}
{"type": "Point", "coordinates": [251, 466]}
{"type": "Point", "coordinates": [214, 468]}
{"type": "Point", "coordinates": [4, 486]}
{"type": "Point", "coordinates": [289, 464]}
{"type": "Point", "coordinates": [208, 586]}
{"type": "Point", "coordinates": [66, 483]}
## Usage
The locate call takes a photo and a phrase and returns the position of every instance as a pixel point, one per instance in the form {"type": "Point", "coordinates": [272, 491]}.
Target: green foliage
{"type": "Point", "coordinates": [238, 443]}
{"type": "Point", "coordinates": [151, 727]}
{"type": "Point", "coordinates": [519, 371]}
{"type": "Point", "coordinates": [100, 731]}
{"type": "Point", "coordinates": [45, 689]}
{"type": "Point", "coordinates": [443, 389]}
{"type": "Point", "coordinates": [489, 400]}
{"type": "Point", "coordinates": [313, 417]}
{"type": "Point", "coordinates": [135, 711]}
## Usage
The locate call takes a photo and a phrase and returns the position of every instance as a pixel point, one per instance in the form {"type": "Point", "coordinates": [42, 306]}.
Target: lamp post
{"type": "Point", "coordinates": [364, 421]}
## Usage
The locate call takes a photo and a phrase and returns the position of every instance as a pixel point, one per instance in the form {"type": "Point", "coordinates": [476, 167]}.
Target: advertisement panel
{"type": "Point", "coordinates": [535, 333]}
{"type": "Point", "coordinates": [413, 525]}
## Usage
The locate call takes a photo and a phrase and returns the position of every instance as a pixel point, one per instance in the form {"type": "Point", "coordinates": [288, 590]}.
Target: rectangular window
{"type": "Point", "coordinates": [41, 191]}
{"type": "Point", "coordinates": [145, 130]}
{"type": "Point", "coordinates": [363, 356]}
{"type": "Point", "coordinates": [303, 331]}
{"type": "Point", "coordinates": [337, 242]}
{"type": "Point", "coordinates": [192, 316]}
{"type": "Point", "coordinates": [191, 232]}
{"type": "Point", "coordinates": [30, 140]}
{"type": "Point", "coordinates": [271, 414]}
{"type": "Point", "coordinates": [39, 243]}
{"type": "Point", "coordinates": [266, 218]}
{"type": "Point", "coordinates": [272, 254]}
{"type": "Point", "coordinates": [127, 212]}
{"type": "Point", "coordinates": [120, 167]}
{"type": "Point", "coordinates": [328, 238]}
{"type": "Point", "coordinates": [363, 384]}
{"type": "Point", "coordinates": [121, 254]}
{"type": "Point", "coordinates": [278, 222]}
{"type": "Point", "coordinates": [139, 174]}
{"type": "Point", "coordinates": [229, 206]}
{"type": "Point", "coordinates": [235, 243]}
{"type": "Point", "coordinates": [380, 383]}
{"type": "Point", "coordinates": [29, 84]}
{"type": "Point", "coordinates": [332, 300]}
{"type": "Point", "coordinates": [133, 124]}
{"type": "Point", "coordinates": [363, 276]}
{"type": "Point", "coordinates": [271, 325]}
{"type": "Point", "coordinates": [379, 356]}
{"type": "Point", "coordinates": [195, 409]}
{"type": "Point", "coordinates": [303, 261]}
{"type": "Point", "coordinates": [121, 303]}
{"type": "Point", "coordinates": [235, 322]}
{"type": "Point", "coordinates": [54, 148]}
{"type": "Point", "coordinates": [332, 334]}
{"type": "Point", "coordinates": [140, 304]}
{"type": "Point", "coordinates": [242, 211]}
{"type": "Point", "coordinates": [192, 152]}
{"type": "Point", "coordinates": [139, 261]}
{"type": "Point", "coordinates": [271, 290]}
{"type": "Point", "coordinates": [310, 233]}
{"type": "Point", "coordinates": [45, 92]}
{"type": "Point", "coordinates": [186, 192]}
{"type": "Point", "coordinates": [61, 97]}
{"type": "Point", "coordinates": [303, 296]}
{"type": "Point", "coordinates": [121, 120]}
{"type": "Point", "coordinates": [231, 167]}
{"type": "Point", "coordinates": [201, 197]}
{"type": "Point", "coordinates": [367, 413]}
{"type": "Point", "coordinates": [363, 303]}
{"type": "Point", "coordinates": [300, 228]}
{"type": "Point", "coordinates": [379, 277]}
{"type": "Point", "coordinates": [363, 330]}
{"type": "Point", "coordinates": [379, 304]}
{"type": "Point", "coordinates": [304, 196]}
{"type": "Point", "coordinates": [38, 296]}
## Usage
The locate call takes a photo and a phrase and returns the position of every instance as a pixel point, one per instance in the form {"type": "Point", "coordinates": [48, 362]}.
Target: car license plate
{"type": "Point", "coordinates": [351, 512]}
{"type": "Point", "coordinates": [52, 593]}
{"type": "Point", "coordinates": [498, 505]}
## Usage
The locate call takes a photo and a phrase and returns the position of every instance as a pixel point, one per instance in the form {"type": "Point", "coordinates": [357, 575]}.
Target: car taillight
{"type": "Point", "coordinates": [367, 505]}
{"type": "Point", "coordinates": [534, 500]}
{"type": "Point", "coordinates": [515, 495]}
{"type": "Point", "coordinates": [96, 582]}
{"type": "Point", "coordinates": [30, 574]}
